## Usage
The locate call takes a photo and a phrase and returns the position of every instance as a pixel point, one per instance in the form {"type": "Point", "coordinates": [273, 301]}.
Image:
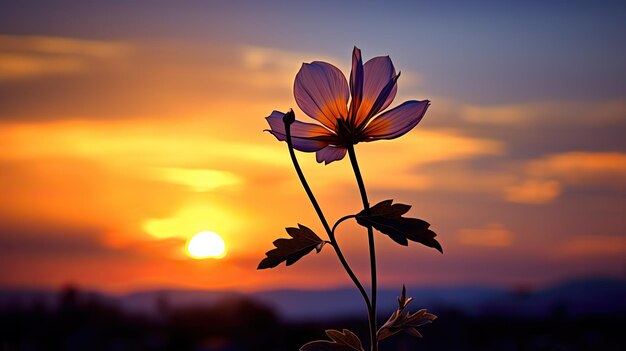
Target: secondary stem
{"type": "Point", "coordinates": [320, 214]}
{"type": "Point", "coordinates": [370, 236]}
{"type": "Point", "coordinates": [341, 220]}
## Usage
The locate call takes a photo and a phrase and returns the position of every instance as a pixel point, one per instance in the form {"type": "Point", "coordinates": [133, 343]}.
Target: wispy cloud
{"type": "Point", "coordinates": [62, 45]}
{"type": "Point", "coordinates": [594, 245]}
{"type": "Point", "coordinates": [425, 146]}
{"type": "Point", "coordinates": [271, 67]}
{"type": "Point", "coordinates": [493, 235]}
{"type": "Point", "coordinates": [191, 220]}
{"type": "Point", "coordinates": [24, 57]}
{"type": "Point", "coordinates": [544, 179]}
{"type": "Point", "coordinates": [548, 113]}
{"type": "Point", "coordinates": [17, 66]}
{"type": "Point", "coordinates": [533, 191]}
{"type": "Point", "coordinates": [582, 168]}
{"type": "Point", "coordinates": [200, 180]}
{"type": "Point", "coordinates": [163, 143]}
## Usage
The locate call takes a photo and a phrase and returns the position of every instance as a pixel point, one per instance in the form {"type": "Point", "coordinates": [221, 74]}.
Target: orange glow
{"type": "Point", "coordinates": [119, 151]}
{"type": "Point", "coordinates": [190, 220]}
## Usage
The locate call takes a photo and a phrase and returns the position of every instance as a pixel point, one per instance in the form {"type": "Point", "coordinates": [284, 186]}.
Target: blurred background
{"type": "Point", "coordinates": [126, 128]}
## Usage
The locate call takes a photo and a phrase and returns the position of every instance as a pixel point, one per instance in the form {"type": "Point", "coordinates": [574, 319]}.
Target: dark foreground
{"type": "Point", "coordinates": [81, 321]}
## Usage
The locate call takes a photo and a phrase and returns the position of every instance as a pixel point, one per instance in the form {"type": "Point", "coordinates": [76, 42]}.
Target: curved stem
{"type": "Point", "coordinates": [340, 220]}
{"type": "Point", "coordinates": [320, 214]}
{"type": "Point", "coordinates": [370, 236]}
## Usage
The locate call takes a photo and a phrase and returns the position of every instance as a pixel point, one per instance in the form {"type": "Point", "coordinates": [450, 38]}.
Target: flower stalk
{"type": "Point", "coordinates": [288, 120]}
{"type": "Point", "coordinates": [372, 248]}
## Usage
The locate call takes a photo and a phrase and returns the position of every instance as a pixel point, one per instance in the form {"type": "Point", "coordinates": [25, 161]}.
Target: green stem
{"type": "Point", "coordinates": [320, 214]}
{"type": "Point", "coordinates": [370, 236]}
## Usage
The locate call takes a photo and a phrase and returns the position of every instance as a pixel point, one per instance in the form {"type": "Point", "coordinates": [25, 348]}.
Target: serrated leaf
{"type": "Point", "coordinates": [386, 217]}
{"type": "Point", "coordinates": [340, 341]}
{"type": "Point", "coordinates": [303, 240]}
{"type": "Point", "coordinates": [404, 321]}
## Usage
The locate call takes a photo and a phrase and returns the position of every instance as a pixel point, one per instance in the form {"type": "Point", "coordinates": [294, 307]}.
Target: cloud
{"type": "Point", "coordinates": [548, 113]}
{"type": "Point", "coordinates": [62, 45]}
{"type": "Point", "coordinates": [496, 114]}
{"type": "Point", "coordinates": [150, 143]}
{"type": "Point", "coordinates": [403, 158]}
{"type": "Point", "coordinates": [594, 245]}
{"type": "Point", "coordinates": [271, 67]}
{"type": "Point", "coordinates": [494, 235]}
{"type": "Point", "coordinates": [582, 168]}
{"type": "Point", "coordinates": [83, 193]}
{"type": "Point", "coordinates": [533, 191]}
{"type": "Point", "coordinates": [535, 181]}
{"type": "Point", "coordinates": [200, 180]}
{"type": "Point", "coordinates": [48, 238]}
{"type": "Point", "coordinates": [544, 179]}
{"type": "Point", "coordinates": [193, 219]}
{"type": "Point", "coordinates": [24, 57]}
{"type": "Point", "coordinates": [115, 80]}
{"type": "Point", "coordinates": [16, 66]}
{"type": "Point", "coordinates": [164, 151]}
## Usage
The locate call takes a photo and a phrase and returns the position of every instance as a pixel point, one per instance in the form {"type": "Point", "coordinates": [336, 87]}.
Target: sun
{"type": "Point", "coordinates": [206, 245]}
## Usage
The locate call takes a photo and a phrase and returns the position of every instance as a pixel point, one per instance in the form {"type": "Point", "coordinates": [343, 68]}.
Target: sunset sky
{"type": "Point", "coordinates": [128, 127]}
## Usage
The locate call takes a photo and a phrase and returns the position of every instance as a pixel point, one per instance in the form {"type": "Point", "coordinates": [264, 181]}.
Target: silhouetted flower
{"type": "Point", "coordinates": [322, 92]}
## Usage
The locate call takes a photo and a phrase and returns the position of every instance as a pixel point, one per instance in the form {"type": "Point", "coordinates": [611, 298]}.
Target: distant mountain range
{"type": "Point", "coordinates": [594, 296]}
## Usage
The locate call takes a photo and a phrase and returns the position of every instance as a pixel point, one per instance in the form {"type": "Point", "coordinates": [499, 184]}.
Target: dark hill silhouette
{"type": "Point", "coordinates": [592, 296]}
{"type": "Point", "coordinates": [577, 315]}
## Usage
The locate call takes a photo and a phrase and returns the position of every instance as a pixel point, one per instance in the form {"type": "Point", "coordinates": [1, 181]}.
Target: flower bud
{"type": "Point", "coordinates": [289, 117]}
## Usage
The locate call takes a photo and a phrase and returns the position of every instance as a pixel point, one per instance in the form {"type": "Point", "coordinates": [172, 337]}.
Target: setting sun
{"type": "Point", "coordinates": [206, 245]}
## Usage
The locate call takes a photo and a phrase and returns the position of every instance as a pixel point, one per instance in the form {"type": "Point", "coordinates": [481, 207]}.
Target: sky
{"type": "Point", "coordinates": [128, 127]}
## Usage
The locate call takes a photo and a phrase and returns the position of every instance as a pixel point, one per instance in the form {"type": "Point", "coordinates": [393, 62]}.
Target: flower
{"type": "Point", "coordinates": [321, 91]}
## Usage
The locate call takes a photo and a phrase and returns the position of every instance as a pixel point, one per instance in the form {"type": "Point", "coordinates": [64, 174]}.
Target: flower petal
{"type": "Point", "coordinates": [356, 83]}
{"type": "Point", "coordinates": [377, 73]}
{"type": "Point", "coordinates": [306, 137]}
{"type": "Point", "coordinates": [321, 91]}
{"type": "Point", "coordinates": [396, 122]}
{"type": "Point", "coordinates": [330, 154]}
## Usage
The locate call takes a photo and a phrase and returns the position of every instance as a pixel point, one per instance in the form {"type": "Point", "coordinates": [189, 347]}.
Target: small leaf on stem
{"type": "Point", "coordinates": [303, 240]}
{"type": "Point", "coordinates": [340, 341]}
{"type": "Point", "coordinates": [387, 218]}
{"type": "Point", "coordinates": [407, 322]}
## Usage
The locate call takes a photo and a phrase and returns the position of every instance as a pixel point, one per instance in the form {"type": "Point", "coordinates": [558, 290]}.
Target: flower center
{"type": "Point", "coordinates": [345, 133]}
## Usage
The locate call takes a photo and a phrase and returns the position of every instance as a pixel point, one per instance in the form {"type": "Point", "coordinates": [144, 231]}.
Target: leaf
{"type": "Point", "coordinates": [340, 341]}
{"type": "Point", "coordinates": [387, 219]}
{"type": "Point", "coordinates": [303, 240]}
{"type": "Point", "coordinates": [407, 322]}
